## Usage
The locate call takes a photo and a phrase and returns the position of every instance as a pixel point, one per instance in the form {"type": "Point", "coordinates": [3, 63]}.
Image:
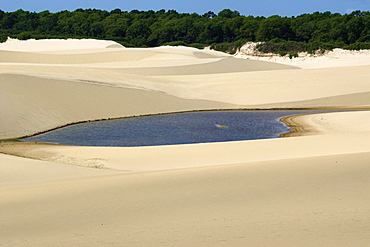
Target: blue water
{"type": "Point", "coordinates": [169, 129]}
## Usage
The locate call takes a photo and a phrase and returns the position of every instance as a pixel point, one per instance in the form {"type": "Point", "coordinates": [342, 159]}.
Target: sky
{"type": "Point", "coordinates": [245, 7]}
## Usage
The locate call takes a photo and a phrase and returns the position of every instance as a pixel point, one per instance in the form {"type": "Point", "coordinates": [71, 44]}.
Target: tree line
{"type": "Point", "coordinates": [226, 30]}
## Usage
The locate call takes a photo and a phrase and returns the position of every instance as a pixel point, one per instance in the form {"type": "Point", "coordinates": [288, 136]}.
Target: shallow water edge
{"type": "Point", "coordinates": [268, 122]}
{"type": "Point", "coordinates": [324, 109]}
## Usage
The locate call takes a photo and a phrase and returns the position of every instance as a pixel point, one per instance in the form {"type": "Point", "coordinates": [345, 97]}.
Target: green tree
{"type": "Point", "coordinates": [115, 26]}
{"type": "Point", "coordinates": [21, 20]}
{"type": "Point", "coordinates": [209, 14]}
{"type": "Point", "coordinates": [365, 34]}
{"type": "Point", "coordinates": [303, 26]}
{"type": "Point", "coordinates": [354, 28]}
{"type": "Point", "coordinates": [227, 13]}
{"type": "Point", "coordinates": [139, 32]}
{"type": "Point", "coordinates": [248, 30]}
{"type": "Point", "coordinates": [211, 31]}
{"type": "Point", "coordinates": [47, 22]}
{"type": "Point", "coordinates": [8, 21]}
{"type": "Point", "coordinates": [275, 27]}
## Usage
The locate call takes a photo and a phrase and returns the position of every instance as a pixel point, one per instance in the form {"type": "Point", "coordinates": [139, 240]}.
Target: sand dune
{"type": "Point", "coordinates": [335, 58]}
{"type": "Point", "coordinates": [279, 86]}
{"type": "Point", "coordinates": [310, 190]}
{"type": "Point", "coordinates": [17, 172]}
{"type": "Point", "coordinates": [299, 202]}
{"type": "Point", "coordinates": [37, 104]}
{"type": "Point", "coordinates": [56, 44]}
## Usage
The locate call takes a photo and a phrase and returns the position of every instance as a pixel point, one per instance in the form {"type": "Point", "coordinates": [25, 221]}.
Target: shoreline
{"type": "Point", "coordinates": [296, 128]}
{"type": "Point", "coordinates": [285, 120]}
{"type": "Point", "coordinates": [171, 157]}
{"type": "Point", "coordinates": [335, 122]}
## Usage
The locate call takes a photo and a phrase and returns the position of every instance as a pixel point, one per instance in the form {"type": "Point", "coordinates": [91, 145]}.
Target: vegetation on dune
{"type": "Point", "coordinates": [225, 31]}
{"type": "Point", "coordinates": [10, 140]}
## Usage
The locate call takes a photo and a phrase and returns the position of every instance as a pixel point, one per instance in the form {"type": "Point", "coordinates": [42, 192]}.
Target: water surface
{"type": "Point", "coordinates": [169, 129]}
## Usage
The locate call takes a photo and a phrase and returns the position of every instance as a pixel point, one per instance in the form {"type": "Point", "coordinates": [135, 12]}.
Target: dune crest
{"type": "Point", "coordinates": [335, 58]}
{"type": "Point", "coordinates": [56, 44]}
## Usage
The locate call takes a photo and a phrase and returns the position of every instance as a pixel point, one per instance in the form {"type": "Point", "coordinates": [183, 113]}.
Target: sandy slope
{"type": "Point", "coordinates": [316, 201]}
{"type": "Point", "coordinates": [335, 58]}
{"type": "Point", "coordinates": [329, 123]}
{"type": "Point", "coordinates": [37, 104]}
{"type": "Point", "coordinates": [56, 45]}
{"type": "Point", "coordinates": [298, 191]}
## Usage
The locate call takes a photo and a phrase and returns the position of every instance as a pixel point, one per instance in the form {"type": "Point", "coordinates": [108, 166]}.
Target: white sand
{"type": "Point", "coordinates": [335, 58]}
{"type": "Point", "coordinates": [56, 45]}
{"type": "Point", "coordinates": [310, 190]}
{"type": "Point", "coordinates": [331, 123]}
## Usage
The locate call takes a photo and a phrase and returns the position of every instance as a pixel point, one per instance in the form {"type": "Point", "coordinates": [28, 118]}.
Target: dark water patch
{"type": "Point", "coordinates": [170, 129]}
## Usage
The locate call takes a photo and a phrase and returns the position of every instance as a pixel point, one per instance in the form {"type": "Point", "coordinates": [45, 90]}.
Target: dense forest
{"type": "Point", "coordinates": [226, 30]}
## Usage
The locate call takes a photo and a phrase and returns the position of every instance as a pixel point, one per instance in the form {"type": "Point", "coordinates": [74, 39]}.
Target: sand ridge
{"type": "Point", "coordinates": [327, 59]}
{"type": "Point", "coordinates": [56, 44]}
{"type": "Point", "coordinates": [310, 190]}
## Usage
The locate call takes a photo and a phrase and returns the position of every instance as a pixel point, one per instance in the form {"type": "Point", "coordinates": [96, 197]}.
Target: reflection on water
{"type": "Point", "coordinates": [168, 129]}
